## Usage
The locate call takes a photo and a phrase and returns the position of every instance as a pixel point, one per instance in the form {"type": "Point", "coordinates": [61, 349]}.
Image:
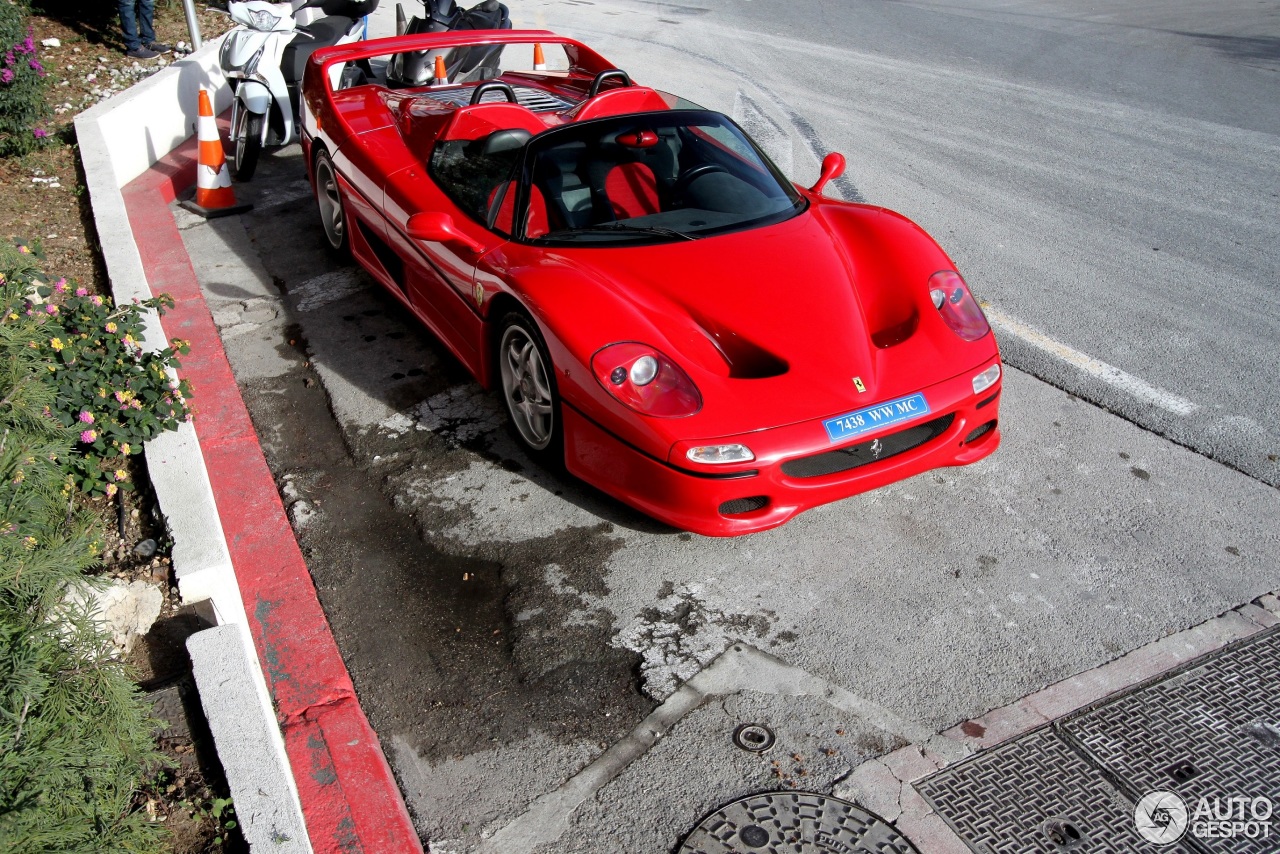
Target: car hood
{"type": "Point", "coordinates": [790, 319]}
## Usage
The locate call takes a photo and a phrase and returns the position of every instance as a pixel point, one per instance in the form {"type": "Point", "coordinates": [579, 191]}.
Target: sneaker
{"type": "Point", "coordinates": [159, 47]}
{"type": "Point", "coordinates": [141, 53]}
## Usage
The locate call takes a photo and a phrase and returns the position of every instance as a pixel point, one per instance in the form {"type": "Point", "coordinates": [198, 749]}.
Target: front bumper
{"type": "Point", "coordinates": [721, 501]}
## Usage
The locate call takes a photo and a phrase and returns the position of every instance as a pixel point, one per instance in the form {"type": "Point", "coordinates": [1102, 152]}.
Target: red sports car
{"type": "Point", "coordinates": [663, 311]}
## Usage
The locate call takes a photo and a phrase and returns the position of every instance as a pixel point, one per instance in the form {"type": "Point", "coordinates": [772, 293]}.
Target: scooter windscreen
{"type": "Point", "coordinates": [463, 64]}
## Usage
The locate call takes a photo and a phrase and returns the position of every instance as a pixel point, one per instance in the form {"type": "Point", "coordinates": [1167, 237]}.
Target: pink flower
{"type": "Point", "coordinates": [89, 436]}
{"type": "Point", "coordinates": [60, 286]}
{"type": "Point", "coordinates": [6, 75]}
{"type": "Point", "coordinates": [86, 416]}
{"type": "Point", "coordinates": [51, 309]}
{"type": "Point", "coordinates": [111, 490]}
{"type": "Point", "coordinates": [81, 292]}
{"type": "Point", "coordinates": [96, 300]}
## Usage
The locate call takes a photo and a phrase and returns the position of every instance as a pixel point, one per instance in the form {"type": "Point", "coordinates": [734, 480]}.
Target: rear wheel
{"type": "Point", "coordinates": [246, 145]}
{"type": "Point", "coordinates": [529, 389]}
{"type": "Point", "coordinates": [329, 201]}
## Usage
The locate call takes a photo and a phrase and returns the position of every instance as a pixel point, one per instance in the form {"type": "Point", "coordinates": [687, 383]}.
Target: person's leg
{"type": "Point", "coordinates": [129, 25]}
{"type": "Point", "coordinates": [146, 15]}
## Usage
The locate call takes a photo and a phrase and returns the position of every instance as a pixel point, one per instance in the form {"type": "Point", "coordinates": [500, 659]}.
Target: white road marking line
{"type": "Point", "coordinates": [1109, 374]}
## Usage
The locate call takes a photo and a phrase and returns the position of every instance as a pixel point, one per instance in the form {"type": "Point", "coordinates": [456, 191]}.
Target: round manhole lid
{"type": "Point", "coordinates": [794, 823]}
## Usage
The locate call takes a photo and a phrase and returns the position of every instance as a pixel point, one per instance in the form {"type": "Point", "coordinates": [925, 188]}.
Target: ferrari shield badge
{"type": "Point", "coordinates": [858, 384]}
{"type": "Point", "coordinates": [478, 291]}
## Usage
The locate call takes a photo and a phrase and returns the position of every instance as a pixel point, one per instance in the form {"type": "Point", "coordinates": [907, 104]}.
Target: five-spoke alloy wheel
{"type": "Point", "coordinates": [528, 388]}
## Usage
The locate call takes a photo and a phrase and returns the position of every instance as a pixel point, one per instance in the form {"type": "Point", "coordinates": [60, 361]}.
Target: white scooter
{"type": "Point", "coordinates": [263, 59]}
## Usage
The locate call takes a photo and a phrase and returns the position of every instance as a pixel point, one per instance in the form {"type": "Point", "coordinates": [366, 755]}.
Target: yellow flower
{"type": "Point", "coordinates": [125, 449]}
{"type": "Point", "coordinates": [121, 474]}
{"type": "Point", "coordinates": [30, 543]}
{"type": "Point", "coordinates": [56, 343]}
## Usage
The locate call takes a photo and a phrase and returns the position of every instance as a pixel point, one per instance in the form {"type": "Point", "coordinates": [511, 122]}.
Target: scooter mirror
{"type": "Point", "coordinates": [440, 228]}
{"type": "Point", "coordinates": [832, 168]}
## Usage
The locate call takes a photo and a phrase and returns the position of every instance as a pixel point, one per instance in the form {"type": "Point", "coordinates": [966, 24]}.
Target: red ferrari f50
{"type": "Point", "coordinates": [662, 310]}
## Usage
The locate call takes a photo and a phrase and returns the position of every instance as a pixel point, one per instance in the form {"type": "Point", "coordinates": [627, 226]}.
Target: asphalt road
{"type": "Point", "coordinates": [1108, 186]}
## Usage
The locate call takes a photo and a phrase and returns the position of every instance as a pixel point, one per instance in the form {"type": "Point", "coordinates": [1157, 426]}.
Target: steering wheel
{"type": "Point", "coordinates": [686, 178]}
{"type": "Point", "coordinates": [493, 86]}
{"type": "Point", "coordinates": [608, 74]}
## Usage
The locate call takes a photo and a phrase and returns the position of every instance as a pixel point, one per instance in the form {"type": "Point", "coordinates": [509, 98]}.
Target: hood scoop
{"type": "Point", "coordinates": [746, 359]}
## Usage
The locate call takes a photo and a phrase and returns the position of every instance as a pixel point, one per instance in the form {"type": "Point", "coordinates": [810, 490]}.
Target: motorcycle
{"type": "Point", "coordinates": [462, 65]}
{"type": "Point", "coordinates": [263, 59]}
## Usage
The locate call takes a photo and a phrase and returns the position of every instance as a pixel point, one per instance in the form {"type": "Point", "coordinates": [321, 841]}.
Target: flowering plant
{"type": "Point", "coordinates": [22, 84]}
{"type": "Point", "coordinates": [112, 391]}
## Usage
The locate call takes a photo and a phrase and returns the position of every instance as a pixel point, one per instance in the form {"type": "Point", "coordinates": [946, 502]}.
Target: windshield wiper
{"type": "Point", "coordinates": [619, 226]}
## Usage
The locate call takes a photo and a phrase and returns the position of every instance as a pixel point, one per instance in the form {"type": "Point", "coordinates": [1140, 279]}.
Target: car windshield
{"type": "Point", "coordinates": [656, 177]}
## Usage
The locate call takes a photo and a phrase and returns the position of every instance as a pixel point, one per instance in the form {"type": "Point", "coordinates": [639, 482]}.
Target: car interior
{"type": "Point", "coordinates": [651, 171]}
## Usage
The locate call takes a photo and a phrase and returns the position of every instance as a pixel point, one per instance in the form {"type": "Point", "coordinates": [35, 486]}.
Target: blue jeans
{"type": "Point", "coordinates": [131, 23]}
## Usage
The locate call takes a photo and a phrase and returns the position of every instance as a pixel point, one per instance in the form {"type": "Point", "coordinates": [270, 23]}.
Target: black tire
{"type": "Point", "coordinates": [333, 214]}
{"type": "Point", "coordinates": [527, 382]}
{"type": "Point", "coordinates": [246, 144]}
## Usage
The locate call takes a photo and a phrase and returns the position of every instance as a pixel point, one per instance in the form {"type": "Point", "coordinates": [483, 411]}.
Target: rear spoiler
{"type": "Point", "coordinates": [582, 59]}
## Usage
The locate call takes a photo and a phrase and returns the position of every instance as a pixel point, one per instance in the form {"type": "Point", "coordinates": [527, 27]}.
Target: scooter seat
{"type": "Point", "coordinates": [322, 32]}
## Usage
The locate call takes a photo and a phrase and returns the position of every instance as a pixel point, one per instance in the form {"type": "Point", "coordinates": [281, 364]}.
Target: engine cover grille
{"type": "Point", "coordinates": [853, 456]}
{"type": "Point", "coordinates": [535, 99]}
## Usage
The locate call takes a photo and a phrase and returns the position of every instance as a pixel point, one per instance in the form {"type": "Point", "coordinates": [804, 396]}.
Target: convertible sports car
{"type": "Point", "coordinates": [663, 311]}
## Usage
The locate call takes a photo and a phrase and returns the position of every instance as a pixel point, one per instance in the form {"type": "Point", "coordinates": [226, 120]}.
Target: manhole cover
{"type": "Point", "coordinates": [794, 823]}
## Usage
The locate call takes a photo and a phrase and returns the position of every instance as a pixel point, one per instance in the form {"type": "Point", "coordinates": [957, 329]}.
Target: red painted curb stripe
{"type": "Point", "coordinates": [349, 797]}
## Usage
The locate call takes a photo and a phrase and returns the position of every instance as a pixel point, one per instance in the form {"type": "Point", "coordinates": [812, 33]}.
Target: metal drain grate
{"type": "Point", "coordinates": [794, 823]}
{"type": "Point", "coordinates": [1209, 731]}
{"type": "Point", "coordinates": [535, 99]}
{"type": "Point", "coordinates": [1012, 798]}
{"type": "Point", "coordinates": [1196, 734]}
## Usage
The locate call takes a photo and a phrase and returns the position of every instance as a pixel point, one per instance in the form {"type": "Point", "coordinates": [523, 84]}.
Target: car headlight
{"type": "Point", "coordinates": [645, 380]}
{"type": "Point", "coordinates": [957, 306]}
{"type": "Point", "coordinates": [986, 379]}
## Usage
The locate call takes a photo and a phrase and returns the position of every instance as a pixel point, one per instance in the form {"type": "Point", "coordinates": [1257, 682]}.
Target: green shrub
{"type": "Point", "coordinates": [112, 392]}
{"type": "Point", "coordinates": [75, 740]}
{"type": "Point", "coordinates": [22, 83]}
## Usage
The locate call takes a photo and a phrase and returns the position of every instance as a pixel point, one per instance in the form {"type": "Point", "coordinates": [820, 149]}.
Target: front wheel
{"type": "Point", "coordinates": [246, 138]}
{"type": "Point", "coordinates": [529, 389]}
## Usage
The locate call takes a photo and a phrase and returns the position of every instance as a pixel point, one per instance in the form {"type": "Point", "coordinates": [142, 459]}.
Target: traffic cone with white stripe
{"type": "Point", "coordinates": [214, 196]}
{"type": "Point", "coordinates": [539, 59]}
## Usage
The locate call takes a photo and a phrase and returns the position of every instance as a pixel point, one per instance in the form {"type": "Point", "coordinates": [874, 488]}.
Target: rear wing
{"type": "Point", "coordinates": [582, 59]}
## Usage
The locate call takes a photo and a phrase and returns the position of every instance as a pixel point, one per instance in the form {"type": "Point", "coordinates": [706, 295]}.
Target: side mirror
{"type": "Point", "coordinates": [439, 227]}
{"type": "Point", "coordinates": [832, 168]}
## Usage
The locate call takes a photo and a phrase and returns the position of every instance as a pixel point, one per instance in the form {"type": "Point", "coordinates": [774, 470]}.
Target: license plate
{"type": "Point", "coordinates": [875, 417]}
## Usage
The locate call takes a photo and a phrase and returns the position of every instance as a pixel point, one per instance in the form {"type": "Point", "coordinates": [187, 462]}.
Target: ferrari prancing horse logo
{"type": "Point", "coordinates": [478, 292]}
{"type": "Point", "coordinates": [857, 383]}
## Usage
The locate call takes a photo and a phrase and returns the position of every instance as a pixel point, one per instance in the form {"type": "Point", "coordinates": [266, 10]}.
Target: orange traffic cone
{"type": "Point", "coordinates": [539, 60]}
{"type": "Point", "coordinates": [214, 196]}
{"type": "Point", "coordinates": [442, 76]}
